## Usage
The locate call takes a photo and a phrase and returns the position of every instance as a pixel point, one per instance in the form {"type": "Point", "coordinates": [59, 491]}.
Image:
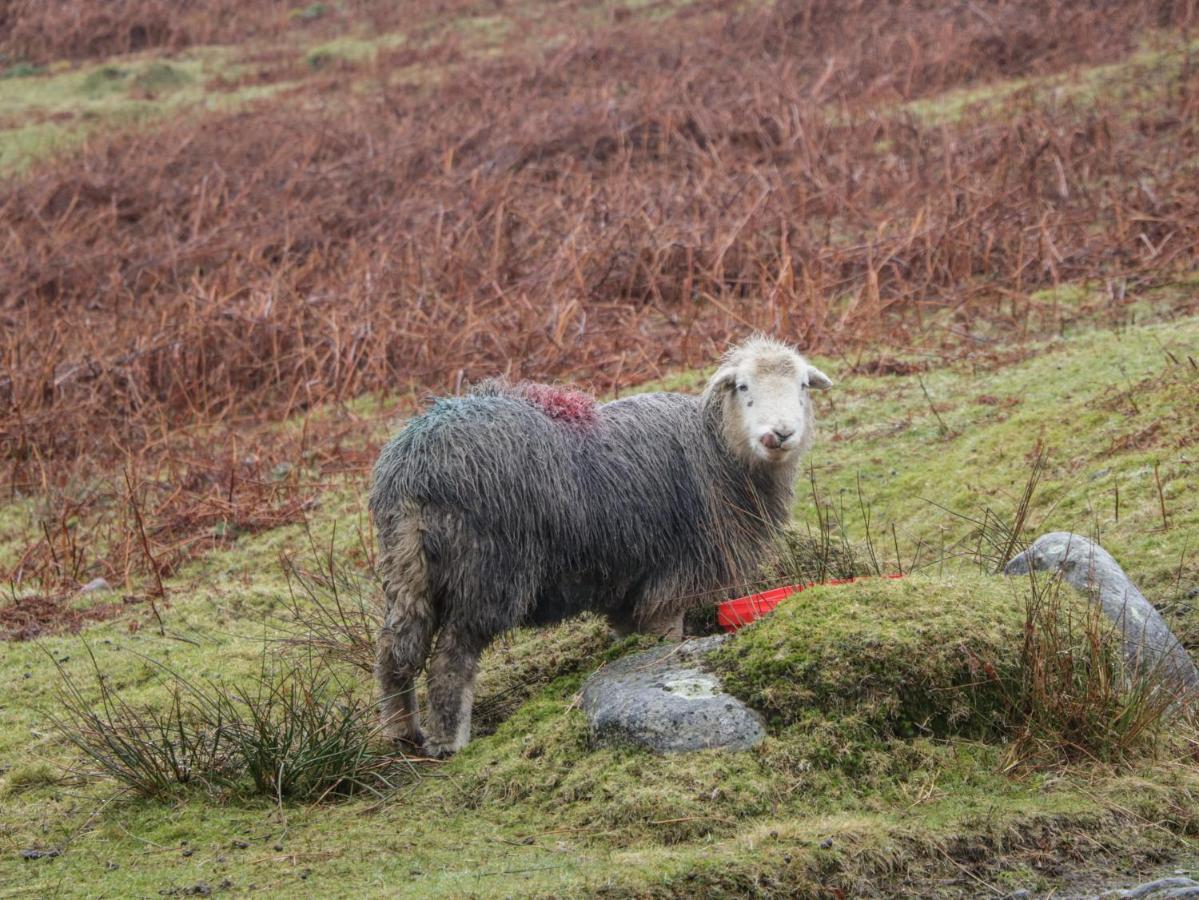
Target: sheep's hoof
{"type": "Point", "coordinates": [438, 751]}
{"type": "Point", "coordinates": [409, 744]}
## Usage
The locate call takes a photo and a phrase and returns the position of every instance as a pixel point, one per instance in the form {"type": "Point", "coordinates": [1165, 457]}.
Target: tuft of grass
{"type": "Point", "coordinates": [153, 751]}
{"type": "Point", "coordinates": [298, 733]}
{"type": "Point", "coordinates": [28, 778]}
{"type": "Point", "coordinates": [1076, 698]}
{"type": "Point", "coordinates": [294, 732]}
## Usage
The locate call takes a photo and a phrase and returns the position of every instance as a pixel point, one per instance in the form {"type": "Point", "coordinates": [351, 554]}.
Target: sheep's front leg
{"type": "Point", "coordinates": [452, 670]}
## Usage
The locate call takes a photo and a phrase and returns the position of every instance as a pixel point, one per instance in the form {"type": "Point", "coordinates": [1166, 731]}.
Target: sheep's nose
{"type": "Point", "coordinates": [771, 439]}
{"type": "Point", "coordinates": [783, 433]}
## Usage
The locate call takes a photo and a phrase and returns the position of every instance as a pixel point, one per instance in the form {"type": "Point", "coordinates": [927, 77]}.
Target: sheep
{"type": "Point", "coordinates": [524, 504]}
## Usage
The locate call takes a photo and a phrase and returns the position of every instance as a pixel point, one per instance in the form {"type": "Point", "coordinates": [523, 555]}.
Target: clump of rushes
{"type": "Point", "coordinates": [1073, 697]}
{"type": "Point", "coordinates": [291, 732]}
{"type": "Point", "coordinates": [1076, 699]}
{"type": "Point", "coordinates": [298, 734]}
{"type": "Point", "coordinates": [152, 751]}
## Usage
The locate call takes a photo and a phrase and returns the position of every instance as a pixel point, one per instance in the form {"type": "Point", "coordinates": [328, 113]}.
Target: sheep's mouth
{"type": "Point", "coordinates": [774, 454]}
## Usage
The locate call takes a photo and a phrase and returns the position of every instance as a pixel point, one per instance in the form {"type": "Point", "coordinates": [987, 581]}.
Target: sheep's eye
{"type": "Point", "coordinates": [743, 387]}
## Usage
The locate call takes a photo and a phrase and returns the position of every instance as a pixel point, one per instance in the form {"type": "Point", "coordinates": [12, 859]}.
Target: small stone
{"type": "Point", "coordinates": [279, 848]}
{"type": "Point", "coordinates": [188, 851]}
{"type": "Point", "coordinates": [96, 584]}
{"type": "Point", "coordinates": [36, 853]}
{"type": "Point", "coordinates": [111, 866]}
{"type": "Point", "coordinates": [239, 845]}
{"type": "Point", "coordinates": [826, 843]}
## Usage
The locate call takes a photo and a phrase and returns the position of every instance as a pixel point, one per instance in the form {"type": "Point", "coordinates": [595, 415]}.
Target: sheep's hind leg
{"type": "Point", "coordinates": [404, 644]}
{"type": "Point", "coordinates": [452, 670]}
{"type": "Point", "coordinates": [668, 627]}
{"type": "Point", "coordinates": [405, 638]}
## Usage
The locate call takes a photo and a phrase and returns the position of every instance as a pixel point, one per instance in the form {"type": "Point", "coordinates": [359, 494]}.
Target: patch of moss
{"type": "Point", "coordinates": [883, 658]}
{"type": "Point", "coordinates": [352, 49]}
{"type": "Point", "coordinates": [103, 81]}
{"type": "Point", "coordinates": [309, 13]}
{"type": "Point", "coordinates": [161, 77]}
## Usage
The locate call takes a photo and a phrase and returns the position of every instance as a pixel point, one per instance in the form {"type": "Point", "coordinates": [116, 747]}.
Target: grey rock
{"type": "Point", "coordinates": [1162, 887]}
{"type": "Point", "coordinates": [96, 584]}
{"type": "Point", "coordinates": [665, 700]}
{"type": "Point", "coordinates": [1149, 644]}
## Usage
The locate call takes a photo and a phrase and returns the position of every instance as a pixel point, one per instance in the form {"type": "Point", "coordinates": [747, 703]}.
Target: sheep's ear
{"type": "Point", "coordinates": [818, 380]}
{"type": "Point", "coordinates": [724, 379]}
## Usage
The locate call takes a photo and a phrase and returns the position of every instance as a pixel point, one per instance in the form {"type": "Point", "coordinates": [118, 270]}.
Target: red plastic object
{"type": "Point", "coordinates": [733, 614]}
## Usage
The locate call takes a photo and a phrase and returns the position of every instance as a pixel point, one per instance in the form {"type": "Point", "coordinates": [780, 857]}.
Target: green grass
{"type": "Point", "coordinates": [1130, 80]}
{"type": "Point", "coordinates": [62, 107]}
{"type": "Point", "coordinates": [1113, 409]}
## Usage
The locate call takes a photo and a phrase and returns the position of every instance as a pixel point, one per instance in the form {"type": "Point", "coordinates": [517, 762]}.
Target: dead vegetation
{"type": "Point", "coordinates": [41, 31]}
{"type": "Point", "coordinates": [605, 211]}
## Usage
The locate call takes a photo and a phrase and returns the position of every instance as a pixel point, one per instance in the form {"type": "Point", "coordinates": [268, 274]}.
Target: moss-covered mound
{"type": "Point", "coordinates": [887, 658]}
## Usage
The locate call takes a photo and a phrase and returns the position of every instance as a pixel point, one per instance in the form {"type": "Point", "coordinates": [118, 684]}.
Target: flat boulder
{"type": "Point", "coordinates": [665, 700]}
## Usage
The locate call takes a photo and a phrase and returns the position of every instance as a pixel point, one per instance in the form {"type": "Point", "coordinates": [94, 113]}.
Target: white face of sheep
{"type": "Point", "coordinates": [768, 407]}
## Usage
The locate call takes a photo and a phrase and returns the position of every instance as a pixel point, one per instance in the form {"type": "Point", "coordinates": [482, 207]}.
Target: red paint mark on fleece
{"type": "Point", "coordinates": [562, 404]}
